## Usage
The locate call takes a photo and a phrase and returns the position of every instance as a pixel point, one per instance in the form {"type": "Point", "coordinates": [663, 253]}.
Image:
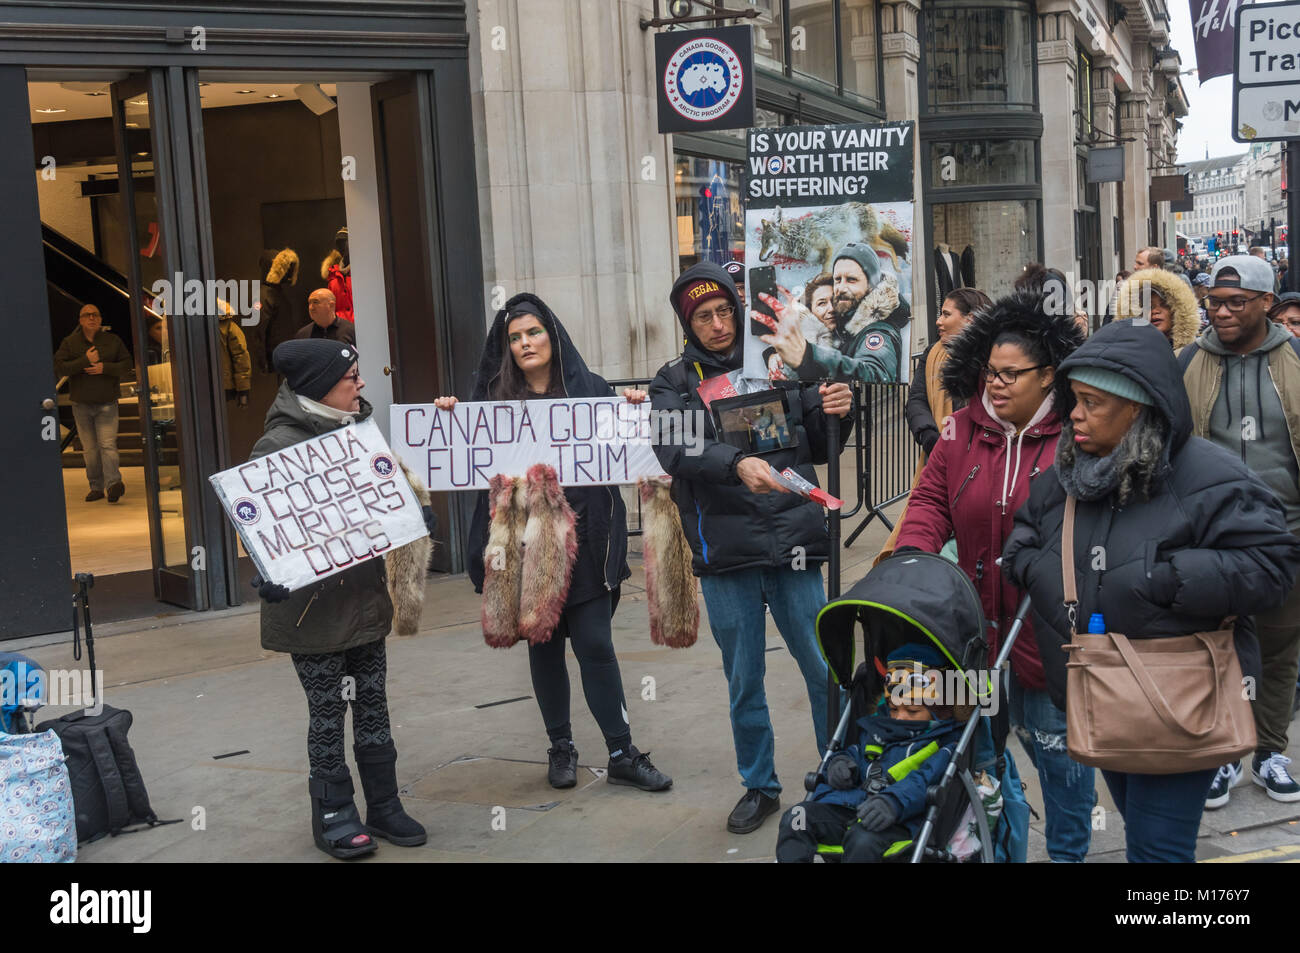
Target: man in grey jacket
{"type": "Point", "coordinates": [1243, 381]}
{"type": "Point", "coordinates": [95, 361]}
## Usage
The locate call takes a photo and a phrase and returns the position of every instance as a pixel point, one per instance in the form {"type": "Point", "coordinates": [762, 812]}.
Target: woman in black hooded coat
{"type": "Point", "coordinates": [1173, 534]}
{"type": "Point", "coordinates": [551, 367]}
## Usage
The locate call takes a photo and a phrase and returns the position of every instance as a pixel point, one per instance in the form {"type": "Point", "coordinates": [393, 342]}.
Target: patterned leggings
{"type": "Point", "coordinates": [331, 681]}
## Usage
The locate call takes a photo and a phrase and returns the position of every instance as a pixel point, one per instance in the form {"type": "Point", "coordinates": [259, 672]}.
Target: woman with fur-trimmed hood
{"type": "Point", "coordinates": [989, 454]}
{"type": "Point", "coordinates": [1173, 310]}
{"type": "Point", "coordinates": [574, 550]}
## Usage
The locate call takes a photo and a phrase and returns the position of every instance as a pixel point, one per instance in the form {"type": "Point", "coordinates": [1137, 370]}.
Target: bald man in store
{"type": "Point", "coordinates": [324, 322]}
{"type": "Point", "coordinates": [95, 361]}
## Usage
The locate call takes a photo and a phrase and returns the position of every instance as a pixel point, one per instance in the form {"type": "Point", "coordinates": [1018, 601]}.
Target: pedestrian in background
{"type": "Point", "coordinates": [1243, 381]}
{"type": "Point", "coordinates": [1165, 300]}
{"type": "Point", "coordinates": [1187, 537]}
{"type": "Point", "coordinates": [1286, 311]}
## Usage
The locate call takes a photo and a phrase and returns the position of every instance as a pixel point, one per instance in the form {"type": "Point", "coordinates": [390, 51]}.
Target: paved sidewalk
{"type": "Point", "coordinates": [472, 748]}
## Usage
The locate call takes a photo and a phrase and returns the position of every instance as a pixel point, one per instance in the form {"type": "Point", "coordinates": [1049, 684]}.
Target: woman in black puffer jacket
{"type": "Point", "coordinates": [1189, 536]}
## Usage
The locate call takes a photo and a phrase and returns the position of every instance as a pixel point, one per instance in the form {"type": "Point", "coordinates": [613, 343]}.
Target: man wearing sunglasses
{"type": "Point", "coordinates": [1243, 381]}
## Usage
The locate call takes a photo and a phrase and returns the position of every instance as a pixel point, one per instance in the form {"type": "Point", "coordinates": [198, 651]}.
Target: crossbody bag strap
{"type": "Point", "coordinates": [1068, 587]}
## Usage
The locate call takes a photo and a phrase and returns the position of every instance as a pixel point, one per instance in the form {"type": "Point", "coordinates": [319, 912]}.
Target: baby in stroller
{"type": "Point", "coordinates": [873, 800]}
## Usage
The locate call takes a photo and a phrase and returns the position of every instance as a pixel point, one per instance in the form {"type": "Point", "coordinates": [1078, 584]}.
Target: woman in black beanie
{"type": "Point", "coordinates": [335, 628]}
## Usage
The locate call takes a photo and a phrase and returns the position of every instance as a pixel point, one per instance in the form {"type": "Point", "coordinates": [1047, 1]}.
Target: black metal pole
{"type": "Point", "coordinates": [833, 557]}
{"type": "Point", "coordinates": [1293, 213]}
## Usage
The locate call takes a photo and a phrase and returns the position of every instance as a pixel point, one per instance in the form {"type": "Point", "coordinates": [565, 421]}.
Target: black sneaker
{"type": "Point", "coordinates": [1228, 777]}
{"type": "Point", "coordinates": [115, 491]}
{"type": "Point", "coordinates": [634, 768]}
{"type": "Point", "coordinates": [750, 812]}
{"type": "Point", "coordinates": [563, 769]}
{"type": "Point", "coordinates": [1271, 774]}
{"type": "Point", "coordinates": [94, 495]}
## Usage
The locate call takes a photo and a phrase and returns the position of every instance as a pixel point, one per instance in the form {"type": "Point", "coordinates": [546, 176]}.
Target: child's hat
{"type": "Point", "coordinates": [908, 674]}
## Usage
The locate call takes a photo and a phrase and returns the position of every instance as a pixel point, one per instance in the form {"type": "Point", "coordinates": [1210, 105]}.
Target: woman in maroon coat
{"type": "Point", "coordinates": [979, 473]}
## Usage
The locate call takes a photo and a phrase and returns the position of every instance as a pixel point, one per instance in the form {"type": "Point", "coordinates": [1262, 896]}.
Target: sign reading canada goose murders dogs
{"type": "Point", "coordinates": [589, 441]}
{"type": "Point", "coordinates": [828, 233]}
{"type": "Point", "coordinates": [321, 506]}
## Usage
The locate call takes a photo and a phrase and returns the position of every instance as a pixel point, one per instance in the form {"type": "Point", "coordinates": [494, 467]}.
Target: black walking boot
{"type": "Point", "coordinates": [634, 769]}
{"type": "Point", "coordinates": [335, 823]}
{"type": "Point", "coordinates": [377, 765]}
{"type": "Point", "coordinates": [562, 764]}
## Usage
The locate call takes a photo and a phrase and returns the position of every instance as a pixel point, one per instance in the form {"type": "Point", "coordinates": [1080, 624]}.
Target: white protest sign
{"type": "Point", "coordinates": [321, 506]}
{"type": "Point", "coordinates": [1266, 80]}
{"type": "Point", "coordinates": [590, 441]}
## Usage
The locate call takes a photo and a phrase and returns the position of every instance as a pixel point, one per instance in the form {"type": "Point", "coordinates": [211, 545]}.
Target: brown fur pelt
{"type": "Point", "coordinates": [502, 562]}
{"type": "Point", "coordinates": [669, 583]}
{"type": "Point", "coordinates": [550, 547]}
{"type": "Point", "coordinates": [407, 568]}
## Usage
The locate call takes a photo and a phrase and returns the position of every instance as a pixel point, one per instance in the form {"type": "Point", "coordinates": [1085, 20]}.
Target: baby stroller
{"type": "Point", "coordinates": [922, 597]}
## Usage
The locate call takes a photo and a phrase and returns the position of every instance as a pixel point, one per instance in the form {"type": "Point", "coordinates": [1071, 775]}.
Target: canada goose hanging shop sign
{"type": "Point", "coordinates": [705, 79]}
{"type": "Point", "coordinates": [321, 506]}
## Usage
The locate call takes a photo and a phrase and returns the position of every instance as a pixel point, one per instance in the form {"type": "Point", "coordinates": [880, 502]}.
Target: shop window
{"type": "Point", "coordinates": [858, 50]}
{"type": "Point", "coordinates": [965, 162]}
{"type": "Point", "coordinates": [999, 238]}
{"type": "Point", "coordinates": [769, 34]}
{"type": "Point", "coordinates": [710, 216]}
{"type": "Point", "coordinates": [979, 56]}
{"type": "Point", "coordinates": [812, 40]}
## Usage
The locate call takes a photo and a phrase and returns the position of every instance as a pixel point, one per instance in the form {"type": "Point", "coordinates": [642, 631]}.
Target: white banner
{"type": "Point", "coordinates": [590, 441]}
{"type": "Point", "coordinates": [321, 506]}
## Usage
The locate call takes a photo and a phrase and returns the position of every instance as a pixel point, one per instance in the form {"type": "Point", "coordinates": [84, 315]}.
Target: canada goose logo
{"type": "Point", "coordinates": [703, 79]}
{"type": "Point", "coordinates": [382, 465]}
{"type": "Point", "coordinates": [875, 341]}
{"type": "Point", "coordinates": [246, 512]}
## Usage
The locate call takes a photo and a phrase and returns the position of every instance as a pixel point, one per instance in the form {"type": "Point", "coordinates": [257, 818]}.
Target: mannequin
{"type": "Point", "coordinates": [947, 266]}
{"type": "Point", "coordinates": [336, 270]}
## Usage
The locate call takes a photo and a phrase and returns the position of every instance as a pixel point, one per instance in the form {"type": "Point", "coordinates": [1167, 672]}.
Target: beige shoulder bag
{"type": "Point", "coordinates": [1151, 706]}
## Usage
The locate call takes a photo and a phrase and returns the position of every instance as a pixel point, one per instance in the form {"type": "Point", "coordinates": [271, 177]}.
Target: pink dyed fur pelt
{"type": "Point", "coordinates": [550, 548]}
{"type": "Point", "coordinates": [502, 563]}
{"type": "Point", "coordinates": [670, 585]}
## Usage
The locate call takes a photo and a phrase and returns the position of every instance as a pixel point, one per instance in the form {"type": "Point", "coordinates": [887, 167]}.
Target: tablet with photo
{"type": "Point", "coordinates": [755, 423]}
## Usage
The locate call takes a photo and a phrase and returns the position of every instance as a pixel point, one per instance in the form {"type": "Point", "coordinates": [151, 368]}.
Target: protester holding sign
{"type": "Point", "coordinates": [528, 355]}
{"type": "Point", "coordinates": [753, 541]}
{"type": "Point", "coordinates": [334, 630]}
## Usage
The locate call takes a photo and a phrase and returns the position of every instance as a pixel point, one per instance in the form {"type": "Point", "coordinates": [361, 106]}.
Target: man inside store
{"type": "Point", "coordinates": [95, 361]}
{"type": "Point", "coordinates": [869, 318]}
{"type": "Point", "coordinates": [324, 322]}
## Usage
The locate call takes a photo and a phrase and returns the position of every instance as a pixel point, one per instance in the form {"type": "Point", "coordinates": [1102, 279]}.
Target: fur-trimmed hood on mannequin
{"type": "Point", "coordinates": [334, 260]}
{"type": "Point", "coordinates": [1021, 312]}
{"type": "Point", "coordinates": [1176, 294]}
{"type": "Point", "coordinates": [283, 267]}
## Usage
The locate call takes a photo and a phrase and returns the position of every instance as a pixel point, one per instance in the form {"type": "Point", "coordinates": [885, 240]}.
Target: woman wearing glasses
{"type": "Point", "coordinates": [1003, 365]}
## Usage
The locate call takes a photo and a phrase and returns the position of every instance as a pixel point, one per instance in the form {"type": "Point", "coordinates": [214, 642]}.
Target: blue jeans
{"type": "Point", "coordinates": [735, 603]}
{"type": "Point", "coordinates": [1162, 813]}
{"type": "Point", "coordinates": [1069, 788]}
{"type": "Point", "coordinates": [97, 428]}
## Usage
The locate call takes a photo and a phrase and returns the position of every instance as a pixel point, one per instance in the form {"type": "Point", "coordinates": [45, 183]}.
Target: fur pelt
{"type": "Point", "coordinates": [1021, 312]}
{"type": "Point", "coordinates": [550, 548]}
{"type": "Point", "coordinates": [335, 257]}
{"type": "Point", "coordinates": [1176, 294]}
{"type": "Point", "coordinates": [284, 268]}
{"type": "Point", "coordinates": [503, 562]}
{"type": "Point", "coordinates": [670, 585]}
{"type": "Point", "coordinates": [879, 303]}
{"type": "Point", "coordinates": [408, 566]}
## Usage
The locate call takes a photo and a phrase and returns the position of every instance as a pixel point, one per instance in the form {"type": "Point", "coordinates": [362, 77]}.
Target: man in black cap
{"type": "Point", "coordinates": [737, 271]}
{"type": "Point", "coordinates": [869, 318]}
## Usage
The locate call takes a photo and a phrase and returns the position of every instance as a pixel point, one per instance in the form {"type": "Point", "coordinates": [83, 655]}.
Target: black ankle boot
{"type": "Point", "coordinates": [377, 765]}
{"type": "Point", "coordinates": [335, 823]}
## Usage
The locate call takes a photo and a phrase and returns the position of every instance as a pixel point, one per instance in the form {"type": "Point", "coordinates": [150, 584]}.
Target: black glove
{"type": "Point", "coordinates": [842, 772]}
{"type": "Point", "coordinates": [430, 520]}
{"type": "Point", "coordinates": [269, 590]}
{"type": "Point", "coordinates": [877, 813]}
